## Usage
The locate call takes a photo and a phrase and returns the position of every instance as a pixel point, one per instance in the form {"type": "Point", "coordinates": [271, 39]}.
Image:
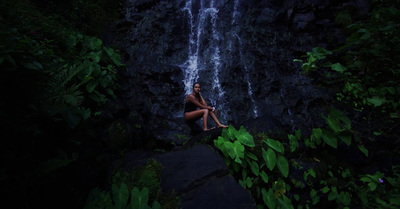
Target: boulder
{"type": "Point", "coordinates": [198, 175]}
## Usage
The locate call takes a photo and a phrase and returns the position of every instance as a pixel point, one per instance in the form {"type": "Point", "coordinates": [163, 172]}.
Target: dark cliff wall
{"type": "Point", "coordinates": [256, 41]}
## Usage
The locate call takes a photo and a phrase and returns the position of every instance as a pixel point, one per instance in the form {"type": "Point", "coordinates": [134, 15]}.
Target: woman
{"type": "Point", "coordinates": [194, 101]}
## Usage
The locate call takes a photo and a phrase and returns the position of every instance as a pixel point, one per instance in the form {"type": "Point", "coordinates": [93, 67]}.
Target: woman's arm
{"type": "Point", "coordinates": [198, 104]}
{"type": "Point", "coordinates": [203, 101]}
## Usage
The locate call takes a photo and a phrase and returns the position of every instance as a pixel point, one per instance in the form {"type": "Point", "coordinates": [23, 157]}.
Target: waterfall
{"type": "Point", "coordinates": [234, 24]}
{"type": "Point", "coordinates": [196, 62]}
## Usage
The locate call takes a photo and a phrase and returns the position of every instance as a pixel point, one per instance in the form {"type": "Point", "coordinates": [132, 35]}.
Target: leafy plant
{"type": "Point", "coordinates": [120, 198]}
{"type": "Point", "coordinates": [241, 155]}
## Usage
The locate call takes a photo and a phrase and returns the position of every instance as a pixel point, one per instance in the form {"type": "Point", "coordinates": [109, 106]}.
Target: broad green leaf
{"type": "Point", "coordinates": [235, 150]}
{"type": "Point", "coordinates": [231, 133]}
{"type": "Point", "coordinates": [156, 205]}
{"type": "Point", "coordinates": [363, 150]}
{"type": "Point", "coordinates": [325, 189]}
{"type": "Point", "coordinates": [285, 202]}
{"type": "Point", "coordinates": [276, 145]}
{"type": "Point", "coordinates": [94, 43]}
{"type": "Point", "coordinates": [297, 133]}
{"type": "Point", "coordinates": [95, 56]}
{"type": "Point", "coordinates": [114, 56]}
{"type": "Point", "coordinates": [252, 156]}
{"type": "Point", "coordinates": [104, 81]}
{"type": "Point", "coordinates": [33, 65]}
{"type": "Point", "coordinates": [220, 145]}
{"type": "Point", "coordinates": [376, 101]}
{"type": "Point", "coordinates": [338, 67]}
{"type": "Point", "coordinates": [372, 186]}
{"type": "Point", "coordinates": [244, 137]}
{"type": "Point", "coordinates": [139, 198]}
{"type": "Point", "coordinates": [329, 138]}
{"type": "Point", "coordinates": [333, 194]}
{"type": "Point", "coordinates": [316, 135]}
{"type": "Point", "coordinates": [333, 123]}
{"type": "Point", "coordinates": [344, 198]}
{"type": "Point", "coordinates": [249, 182]}
{"type": "Point", "coordinates": [313, 193]}
{"type": "Point", "coordinates": [268, 198]}
{"type": "Point", "coordinates": [269, 157]}
{"type": "Point", "coordinates": [254, 167]}
{"type": "Point", "coordinates": [91, 85]}
{"type": "Point", "coordinates": [71, 41]}
{"type": "Point", "coordinates": [283, 165]}
{"type": "Point", "coordinates": [365, 34]}
{"type": "Point", "coordinates": [346, 138]}
{"type": "Point", "coordinates": [264, 176]}
{"type": "Point", "coordinates": [294, 144]}
{"type": "Point", "coordinates": [394, 201]}
{"type": "Point", "coordinates": [120, 195]}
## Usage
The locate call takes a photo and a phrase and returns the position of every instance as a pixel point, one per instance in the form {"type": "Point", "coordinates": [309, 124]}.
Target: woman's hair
{"type": "Point", "coordinates": [199, 96]}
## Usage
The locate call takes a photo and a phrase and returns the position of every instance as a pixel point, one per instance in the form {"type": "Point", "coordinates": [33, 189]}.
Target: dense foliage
{"type": "Point", "coordinates": [53, 79]}
{"type": "Point", "coordinates": [332, 168]}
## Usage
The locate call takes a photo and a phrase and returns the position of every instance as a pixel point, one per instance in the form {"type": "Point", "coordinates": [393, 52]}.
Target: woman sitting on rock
{"type": "Point", "coordinates": [192, 114]}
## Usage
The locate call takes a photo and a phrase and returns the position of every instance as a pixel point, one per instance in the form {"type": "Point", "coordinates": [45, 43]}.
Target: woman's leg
{"type": "Point", "coordinates": [214, 117]}
{"type": "Point", "coordinates": [197, 114]}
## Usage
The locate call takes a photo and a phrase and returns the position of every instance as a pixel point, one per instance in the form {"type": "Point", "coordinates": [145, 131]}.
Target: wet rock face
{"type": "Point", "coordinates": [244, 48]}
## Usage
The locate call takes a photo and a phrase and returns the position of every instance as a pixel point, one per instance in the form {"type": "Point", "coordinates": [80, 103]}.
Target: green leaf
{"type": "Point", "coordinates": [114, 56]}
{"type": "Point", "coordinates": [235, 150]}
{"type": "Point", "coordinates": [333, 194]}
{"type": "Point", "coordinates": [285, 202]}
{"type": "Point", "coordinates": [33, 65]}
{"type": "Point", "coordinates": [219, 143]}
{"type": "Point", "coordinates": [294, 144]}
{"type": "Point", "coordinates": [325, 189]}
{"type": "Point", "coordinates": [316, 135]}
{"type": "Point", "coordinates": [346, 138]}
{"type": "Point", "coordinates": [376, 101]}
{"type": "Point", "coordinates": [268, 198]}
{"type": "Point", "coordinates": [329, 138]}
{"type": "Point", "coordinates": [94, 43]}
{"type": "Point", "coordinates": [120, 195]}
{"type": "Point", "coordinates": [363, 150]}
{"type": "Point", "coordinates": [333, 123]}
{"type": "Point", "coordinates": [269, 157]}
{"type": "Point", "coordinates": [252, 156]}
{"type": "Point", "coordinates": [276, 145]}
{"type": "Point", "coordinates": [344, 198]}
{"type": "Point", "coordinates": [230, 133]}
{"type": "Point", "coordinates": [95, 56]}
{"type": "Point", "coordinates": [249, 182]}
{"type": "Point", "coordinates": [254, 167]}
{"type": "Point", "coordinates": [139, 198]}
{"type": "Point", "coordinates": [91, 85]}
{"type": "Point", "coordinates": [244, 137]}
{"type": "Point", "coordinates": [338, 67]}
{"type": "Point", "coordinates": [283, 166]}
{"type": "Point", "coordinates": [264, 176]}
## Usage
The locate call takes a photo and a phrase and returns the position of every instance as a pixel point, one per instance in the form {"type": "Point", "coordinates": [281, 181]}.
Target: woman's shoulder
{"type": "Point", "coordinates": [190, 97]}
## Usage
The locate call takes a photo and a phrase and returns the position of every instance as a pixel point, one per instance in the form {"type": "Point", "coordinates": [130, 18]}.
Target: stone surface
{"type": "Point", "coordinates": [198, 175]}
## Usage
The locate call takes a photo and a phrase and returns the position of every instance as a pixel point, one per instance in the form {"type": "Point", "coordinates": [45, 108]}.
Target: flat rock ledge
{"type": "Point", "coordinates": [199, 176]}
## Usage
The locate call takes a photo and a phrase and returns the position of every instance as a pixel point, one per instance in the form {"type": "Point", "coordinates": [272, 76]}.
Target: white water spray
{"type": "Point", "coordinates": [195, 61]}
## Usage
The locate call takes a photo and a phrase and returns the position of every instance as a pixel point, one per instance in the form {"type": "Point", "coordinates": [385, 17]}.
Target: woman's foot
{"type": "Point", "coordinates": [222, 126]}
{"type": "Point", "coordinates": [207, 129]}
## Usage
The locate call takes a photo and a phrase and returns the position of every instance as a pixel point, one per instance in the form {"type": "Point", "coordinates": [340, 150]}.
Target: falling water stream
{"type": "Point", "coordinates": [196, 61]}
{"type": "Point", "coordinates": [207, 16]}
